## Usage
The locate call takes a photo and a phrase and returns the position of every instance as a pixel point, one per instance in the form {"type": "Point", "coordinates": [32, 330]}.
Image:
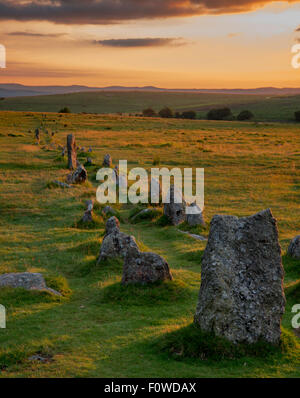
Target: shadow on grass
{"type": "Point", "coordinates": [291, 266]}
{"type": "Point", "coordinates": [106, 267]}
{"type": "Point", "coordinates": [292, 292]}
{"type": "Point", "coordinates": [191, 343]}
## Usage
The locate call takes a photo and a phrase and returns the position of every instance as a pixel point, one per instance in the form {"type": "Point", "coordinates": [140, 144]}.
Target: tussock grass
{"type": "Point", "coordinates": [150, 215]}
{"type": "Point", "coordinates": [58, 283]}
{"type": "Point", "coordinates": [158, 293]}
{"type": "Point", "coordinates": [96, 223]}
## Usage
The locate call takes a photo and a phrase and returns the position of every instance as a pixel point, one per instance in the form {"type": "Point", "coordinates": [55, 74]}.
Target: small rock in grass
{"type": "Point", "coordinates": [196, 216]}
{"type": "Point", "coordinates": [26, 280]}
{"type": "Point", "coordinates": [175, 210]}
{"type": "Point", "coordinates": [140, 267]}
{"type": "Point", "coordinates": [294, 248]}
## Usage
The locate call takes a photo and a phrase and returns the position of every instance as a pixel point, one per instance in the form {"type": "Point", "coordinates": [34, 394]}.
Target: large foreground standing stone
{"type": "Point", "coordinates": [25, 280]}
{"type": "Point", "coordinates": [72, 156]}
{"type": "Point", "coordinates": [175, 212]}
{"type": "Point", "coordinates": [115, 243]}
{"type": "Point", "coordinates": [294, 248]}
{"type": "Point", "coordinates": [241, 295]}
{"type": "Point", "coordinates": [140, 267]}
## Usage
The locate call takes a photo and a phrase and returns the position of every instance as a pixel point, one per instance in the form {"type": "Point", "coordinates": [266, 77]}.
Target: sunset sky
{"type": "Point", "coordinates": [171, 43]}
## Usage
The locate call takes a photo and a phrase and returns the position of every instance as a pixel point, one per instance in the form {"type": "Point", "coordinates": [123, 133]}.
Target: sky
{"type": "Point", "coordinates": [163, 43]}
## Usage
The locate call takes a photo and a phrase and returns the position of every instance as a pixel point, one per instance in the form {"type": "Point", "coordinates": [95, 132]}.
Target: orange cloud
{"type": "Point", "coordinates": [114, 11]}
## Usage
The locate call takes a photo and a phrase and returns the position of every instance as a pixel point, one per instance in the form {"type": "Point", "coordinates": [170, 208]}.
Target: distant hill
{"type": "Point", "coordinates": [19, 90]}
{"type": "Point", "coordinates": [265, 107]}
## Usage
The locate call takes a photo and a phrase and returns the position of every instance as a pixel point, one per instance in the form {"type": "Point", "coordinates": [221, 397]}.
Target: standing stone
{"type": "Point", "coordinates": [241, 295]}
{"type": "Point", "coordinates": [88, 214]}
{"type": "Point", "coordinates": [173, 210]}
{"type": "Point", "coordinates": [196, 217]}
{"type": "Point", "coordinates": [115, 243]}
{"type": "Point", "coordinates": [72, 157]}
{"type": "Point", "coordinates": [78, 176]}
{"type": "Point", "coordinates": [116, 171]}
{"type": "Point", "coordinates": [89, 161]}
{"type": "Point", "coordinates": [107, 161]}
{"type": "Point", "coordinates": [140, 267]}
{"type": "Point", "coordinates": [155, 191]}
{"type": "Point", "coordinates": [37, 135]}
{"type": "Point", "coordinates": [294, 248]}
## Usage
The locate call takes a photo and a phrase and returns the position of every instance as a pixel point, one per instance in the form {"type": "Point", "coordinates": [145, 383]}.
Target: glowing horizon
{"type": "Point", "coordinates": [241, 48]}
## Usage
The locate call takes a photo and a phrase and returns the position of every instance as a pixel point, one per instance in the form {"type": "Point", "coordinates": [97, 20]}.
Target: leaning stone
{"type": "Point", "coordinates": [294, 248]}
{"type": "Point", "coordinates": [241, 295]}
{"type": "Point", "coordinates": [25, 280]}
{"type": "Point", "coordinates": [143, 268]}
{"type": "Point", "coordinates": [195, 236]}
{"type": "Point", "coordinates": [107, 161]}
{"type": "Point", "coordinates": [72, 156]}
{"type": "Point", "coordinates": [61, 184]}
{"type": "Point", "coordinates": [79, 176]}
{"type": "Point", "coordinates": [196, 217]}
{"type": "Point", "coordinates": [174, 211]}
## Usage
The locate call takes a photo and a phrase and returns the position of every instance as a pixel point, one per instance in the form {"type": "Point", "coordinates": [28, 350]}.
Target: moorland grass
{"type": "Point", "coordinates": [248, 167]}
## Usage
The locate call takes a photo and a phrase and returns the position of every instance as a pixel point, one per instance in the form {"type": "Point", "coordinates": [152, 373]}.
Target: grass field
{"type": "Point", "coordinates": [100, 330]}
{"type": "Point", "coordinates": [265, 108]}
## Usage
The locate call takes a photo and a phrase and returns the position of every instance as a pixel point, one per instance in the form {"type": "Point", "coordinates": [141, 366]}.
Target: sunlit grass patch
{"type": "Point", "coordinates": [58, 283]}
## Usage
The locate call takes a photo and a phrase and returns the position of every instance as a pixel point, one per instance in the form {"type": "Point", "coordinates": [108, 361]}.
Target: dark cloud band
{"type": "Point", "coordinates": [141, 42]}
{"type": "Point", "coordinates": [114, 11]}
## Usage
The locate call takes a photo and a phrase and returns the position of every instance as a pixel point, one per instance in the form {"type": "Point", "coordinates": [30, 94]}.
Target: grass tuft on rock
{"type": "Point", "coordinates": [194, 229]}
{"type": "Point", "coordinates": [58, 283]}
{"type": "Point", "coordinates": [191, 342]}
{"type": "Point", "coordinates": [150, 215]}
{"type": "Point", "coordinates": [151, 294]}
{"type": "Point", "coordinates": [97, 223]}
